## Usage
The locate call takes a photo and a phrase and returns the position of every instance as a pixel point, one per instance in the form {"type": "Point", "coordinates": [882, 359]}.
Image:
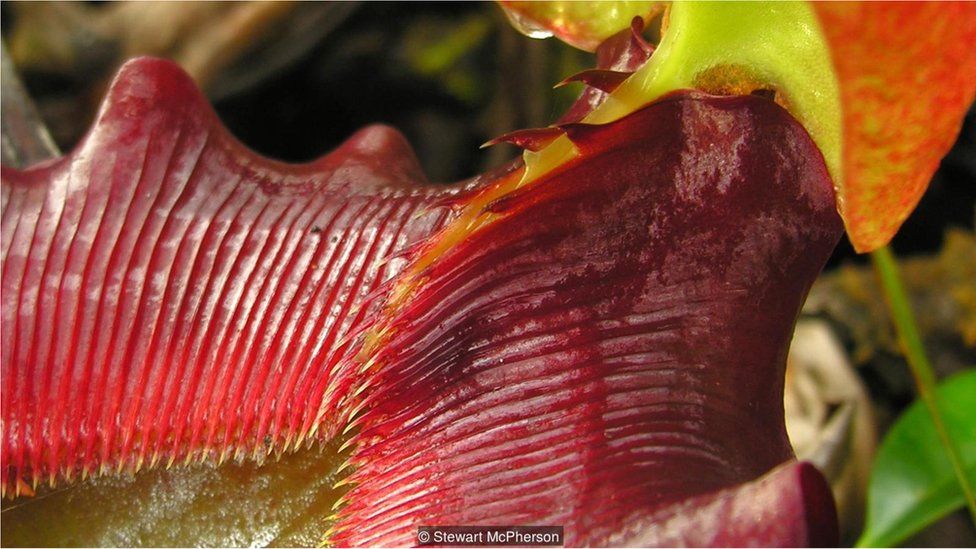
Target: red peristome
{"type": "Point", "coordinates": [613, 345]}
{"type": "Point", "coordinates": [109, 366]}
{"type": "Point", "coordinates": [625, 50]}
{"type": "Point", "coordinates": [608, 352]}
{"type": "Point", "coordinates": [601, 79]}
{"type": "Point", "coordinates": [622, 53]}
{"type": "Point", "coordinates": [531, 139]}
{"type": "Point", "coordinates": [617, 58]}
{"type": "Point", "coordinates": [169, 295]}
{"type": "Point", "coordinates": [798, 511]}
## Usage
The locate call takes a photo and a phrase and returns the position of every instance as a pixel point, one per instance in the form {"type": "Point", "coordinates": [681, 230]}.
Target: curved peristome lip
{"type": "Point", "coordinates": [846, 70]}
{"type": "Point", "coordinates": [604, 352]}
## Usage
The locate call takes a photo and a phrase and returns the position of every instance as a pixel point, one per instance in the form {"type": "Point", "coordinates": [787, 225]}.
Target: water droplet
{"type": "Point", "coordinates": [527, 26]}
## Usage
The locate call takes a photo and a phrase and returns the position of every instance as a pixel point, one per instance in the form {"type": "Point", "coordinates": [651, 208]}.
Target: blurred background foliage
{"type": "Point", "coordinates": [292, 80]}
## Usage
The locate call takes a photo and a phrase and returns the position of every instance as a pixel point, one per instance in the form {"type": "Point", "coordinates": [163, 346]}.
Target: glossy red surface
{"type": "Point", "coordinates": [169, 295]}
{"type": "Point", "coordinates": [607, 355]}
{"type": "Point", "coordinates": [611, 346]}
{"type": "Point", "coordinates": [619, 55]}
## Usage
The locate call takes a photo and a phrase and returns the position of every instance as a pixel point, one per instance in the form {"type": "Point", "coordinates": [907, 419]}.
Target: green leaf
{"type": "Point", "coordinates": [721, 46]}
{"type": "Point", "coordinates": [912, 483]}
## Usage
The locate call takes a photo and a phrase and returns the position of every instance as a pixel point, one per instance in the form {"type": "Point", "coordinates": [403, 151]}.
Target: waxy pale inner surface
{"type": "Point", "coordinates": [286, 502]}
